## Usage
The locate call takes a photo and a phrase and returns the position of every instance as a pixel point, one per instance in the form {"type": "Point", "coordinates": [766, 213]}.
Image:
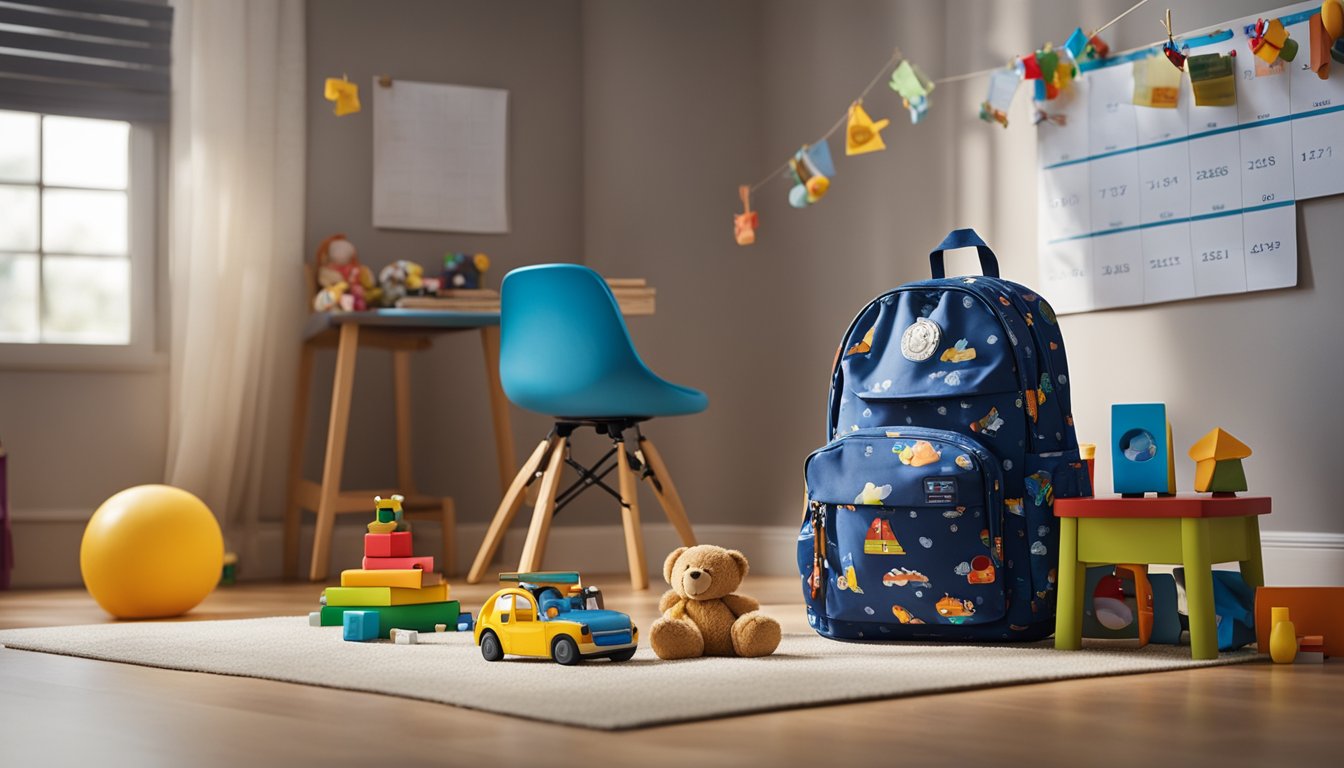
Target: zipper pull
{"type": "Point", "coordinates": [818, 548]}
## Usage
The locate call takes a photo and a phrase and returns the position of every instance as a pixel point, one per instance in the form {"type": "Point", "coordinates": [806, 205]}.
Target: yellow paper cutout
{"type": "Point", "coordinates": [1156, 83]}
{"type": "Point", "coordinates": [344, 93]}
{"type": "Point", "coordinates": [863, 134]}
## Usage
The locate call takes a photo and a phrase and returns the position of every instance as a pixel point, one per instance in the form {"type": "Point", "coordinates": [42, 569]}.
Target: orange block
{"type": "Point", "coordinates": [1314, 611]}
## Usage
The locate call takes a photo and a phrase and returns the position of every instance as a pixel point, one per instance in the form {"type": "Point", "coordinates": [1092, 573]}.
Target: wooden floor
{"type": "Point", "coordinates": [57, 710]}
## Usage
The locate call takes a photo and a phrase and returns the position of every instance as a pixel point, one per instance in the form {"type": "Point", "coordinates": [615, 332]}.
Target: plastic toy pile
{"type": "Point", "coordinates": [395, 594]}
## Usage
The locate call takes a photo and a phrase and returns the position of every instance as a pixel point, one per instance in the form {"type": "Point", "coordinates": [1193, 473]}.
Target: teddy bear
{"type": "Point", "coordinates": [702, 616]}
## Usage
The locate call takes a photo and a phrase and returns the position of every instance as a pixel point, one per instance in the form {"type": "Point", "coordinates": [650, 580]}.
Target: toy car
{"type": "Point", "coordinates": [552, 615]}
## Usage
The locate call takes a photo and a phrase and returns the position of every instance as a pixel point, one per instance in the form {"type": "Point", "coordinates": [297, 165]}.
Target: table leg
{"type": "Point", "coordinates": [1072, 578]}
{"type": "Point", "coordinates": [1253, 568]}
{"type": "Point", "coordinates": [298, 428]}
{"type": "Point", "coordinates": [1195, 556]}
{"type": "Point", "coordinates": [499, 408]}
{"type": "Point", "coordinates": [343, 383]}
{"type": "Point", "coordinates": [401, 406]}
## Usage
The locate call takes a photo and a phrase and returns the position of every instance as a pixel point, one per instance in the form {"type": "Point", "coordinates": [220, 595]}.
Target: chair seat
{"type": "Point", "coordinates": [632, 395]}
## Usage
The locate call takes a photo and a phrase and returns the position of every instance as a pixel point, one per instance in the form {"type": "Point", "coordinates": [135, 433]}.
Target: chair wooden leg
{"type": "Point", "coordinates": [508, 507]}
{"type": "Point", "coordinates": [666, 492]}
{"type": "Point", "coordinates": [401, 405]}
{"type": "Point", "coordinates": [634, 538]}
{"type": "Point", "coordinates": [534, 548]}
{"type": "Point", "coordinates": [341, 390]}
{"type": "Point", "coordinates": [298, 428]}
{"type": "Point", "coordinates": [449, 525]}
{"type": "Point", "coordinates": [499, 406]}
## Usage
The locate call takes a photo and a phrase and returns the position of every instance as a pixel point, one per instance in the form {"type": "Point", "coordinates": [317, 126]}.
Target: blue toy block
{"type": "Point", "coordinates": [465, 622]}
{"type": "Point", "coordinates": [1141, 460]}
{"type": "Point", "coordinates": [360, 626]}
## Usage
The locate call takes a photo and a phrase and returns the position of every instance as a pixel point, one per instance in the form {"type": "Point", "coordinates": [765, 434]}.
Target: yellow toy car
{"type": "Point", "coordinates": [551, 615]}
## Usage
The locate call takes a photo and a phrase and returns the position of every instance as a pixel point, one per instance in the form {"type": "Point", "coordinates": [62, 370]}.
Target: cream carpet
{"type": "Point", "coordinates": [807, 670]}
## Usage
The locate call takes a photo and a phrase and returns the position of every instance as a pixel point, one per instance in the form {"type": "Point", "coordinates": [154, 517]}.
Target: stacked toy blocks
{"type": "Point", "coordinates": [394, 590]}
{"type": "Point", "coordinates": [1218, 467]}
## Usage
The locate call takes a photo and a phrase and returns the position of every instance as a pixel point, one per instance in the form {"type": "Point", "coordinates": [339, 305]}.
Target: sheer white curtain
{"type": "Point", "coordinates": [236, 211]}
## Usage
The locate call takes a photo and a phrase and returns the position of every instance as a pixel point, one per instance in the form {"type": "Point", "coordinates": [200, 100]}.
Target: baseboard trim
{"type": "Point", "coordinates": [1306, 558]}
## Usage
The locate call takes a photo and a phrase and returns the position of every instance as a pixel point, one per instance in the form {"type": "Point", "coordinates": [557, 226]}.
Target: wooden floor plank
{"type": "Point", "coordinates": [60, 710]}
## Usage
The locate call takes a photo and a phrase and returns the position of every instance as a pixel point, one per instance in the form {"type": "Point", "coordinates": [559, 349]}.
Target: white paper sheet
{"type": "Point", "coordinates": [1140, 205]}
{"type": "Point", "coordinates": [439, 157]}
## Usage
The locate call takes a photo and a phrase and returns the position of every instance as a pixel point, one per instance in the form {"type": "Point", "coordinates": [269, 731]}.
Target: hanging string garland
{"type": "Point", "coordinates": [811, 168]}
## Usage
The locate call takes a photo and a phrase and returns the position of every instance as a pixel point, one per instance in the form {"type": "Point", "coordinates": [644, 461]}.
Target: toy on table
{"type": "Point", "coordinates": [337, 264]}
{"type": "Point", "coordinates": [150, 552]}
{"type": "Point", "coordinates": [462, 271]}
{"type": "Point", "coordinates": [863, 134]}
{"type": "Point", "coordinates": [1141, 462]}
{"type": "Point", "coordinates": [746, 222]}
{"type": "Point", "coordinates": [552, 615]}
{"type": "Point", "coordinates": [1217, 457]}
{"type": "Point", "coordinates": [400, 279]}
{"type": "Point", "coordinates": [394, 590]}
{"type": "Point", "coordinates": [1270, 41]}
{"type": "Point", "coordinates": [701, 614]}
{"type": "Point", "coordinates": [812, 169]}
{"type": "Point", "coordinates": [344, 93]}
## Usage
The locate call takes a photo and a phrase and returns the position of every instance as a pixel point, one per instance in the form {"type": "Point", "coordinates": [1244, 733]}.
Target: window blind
{"type": "Point", "coordinates": [86, 58]}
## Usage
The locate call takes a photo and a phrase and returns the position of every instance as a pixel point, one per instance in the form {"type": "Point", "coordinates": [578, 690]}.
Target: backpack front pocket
{"type": "Point", "coordinates": [911, 522]}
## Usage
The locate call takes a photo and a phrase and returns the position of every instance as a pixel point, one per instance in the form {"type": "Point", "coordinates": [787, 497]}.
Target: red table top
{"type": "Point", "coordinates": [1185, 505]}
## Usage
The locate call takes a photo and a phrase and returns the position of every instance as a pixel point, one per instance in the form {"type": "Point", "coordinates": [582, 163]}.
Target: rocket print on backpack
{"type": "Point", "coordinates": [929, 512]}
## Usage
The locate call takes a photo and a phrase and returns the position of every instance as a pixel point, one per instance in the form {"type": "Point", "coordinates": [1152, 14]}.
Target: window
{"type": "Point", "coordinates": [76, 233]}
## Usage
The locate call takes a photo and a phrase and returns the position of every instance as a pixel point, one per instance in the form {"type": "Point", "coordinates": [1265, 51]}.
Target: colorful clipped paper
{"type": "Point", "coordinates": [361, 596]}
{"type": "Point", "coordinates": [914, 88]}
{"type": "Point", "coordinates": [1213, 79]}
{"type": "Point", "coordinates": [1076, 44]}
{"type": "Point", "coordinates": [410, 578]}
{"type": "Point", "coordinates": [1002, 87]}
{"type": "Point", "coordinates": [744, 223]}
{"type": "Point", "coordinates": [1156, 84]}
{"type": "Point", "coordinates": [344, 93]}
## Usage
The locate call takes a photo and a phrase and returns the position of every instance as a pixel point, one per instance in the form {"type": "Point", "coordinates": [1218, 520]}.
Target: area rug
{"type": "Point", "coordinates": [807, 670]}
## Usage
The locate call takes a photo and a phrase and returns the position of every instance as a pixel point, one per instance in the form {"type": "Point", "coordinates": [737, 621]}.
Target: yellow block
{"type": "Point", "coordinates": [1219, 445]}
{"type": "Point", "coordinates": [410, 578]}
{"type": "Point", "coordinates": [347, 596]}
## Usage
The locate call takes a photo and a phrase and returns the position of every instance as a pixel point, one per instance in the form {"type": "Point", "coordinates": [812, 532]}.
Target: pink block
{"type": "Point", "coordinates": [387, 544]}
{"type": "Point", "coordinates": [398, 563]}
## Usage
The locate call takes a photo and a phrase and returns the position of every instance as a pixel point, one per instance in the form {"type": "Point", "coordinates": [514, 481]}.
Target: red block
{"type": "Point", "coordinates": [387, 544]}
{"type": "Point", "coordinates": [398, 563]}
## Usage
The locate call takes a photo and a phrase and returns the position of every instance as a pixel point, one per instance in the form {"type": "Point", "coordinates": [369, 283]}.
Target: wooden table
{"type": "Point", "coordinates": [1194, 531]}
{"type": "Point", "coordinates": [401, 331]}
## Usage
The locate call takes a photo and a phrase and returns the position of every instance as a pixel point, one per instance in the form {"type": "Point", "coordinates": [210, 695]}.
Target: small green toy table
{"type": "Point", "coordinates": [1194, 531]}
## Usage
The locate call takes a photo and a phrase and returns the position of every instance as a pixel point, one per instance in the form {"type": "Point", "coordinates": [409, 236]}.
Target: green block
{"type": "Point", "coordinates": [1228, 475]}
{"type": "Point", "coordinates": [421, 617]}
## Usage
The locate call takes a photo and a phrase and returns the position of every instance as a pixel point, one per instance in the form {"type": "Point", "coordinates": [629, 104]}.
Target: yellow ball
{"type": "Point", "coordinates": [151, 551]}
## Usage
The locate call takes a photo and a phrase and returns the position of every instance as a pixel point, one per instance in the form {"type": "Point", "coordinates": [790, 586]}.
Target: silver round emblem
{"type": "Point", "coordinates": [920, 340]}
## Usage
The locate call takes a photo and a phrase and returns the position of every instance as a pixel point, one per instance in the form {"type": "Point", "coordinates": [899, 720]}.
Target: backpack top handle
{"type": "Point", "coordinates": [963, 238]}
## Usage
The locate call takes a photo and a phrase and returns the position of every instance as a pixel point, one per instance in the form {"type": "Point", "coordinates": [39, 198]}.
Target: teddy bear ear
{"type": "Point", "coordinates": [670, 563]}
{"type": "Point", "coordinates": [741, 561]}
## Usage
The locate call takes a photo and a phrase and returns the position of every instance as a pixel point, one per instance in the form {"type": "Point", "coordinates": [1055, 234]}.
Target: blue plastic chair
{"type": "Point", "coordinates": [565, 352]}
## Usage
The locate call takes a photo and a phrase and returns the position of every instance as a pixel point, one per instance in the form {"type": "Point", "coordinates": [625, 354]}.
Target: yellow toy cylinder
{"type": "Point", "coordinates": [151, 551]}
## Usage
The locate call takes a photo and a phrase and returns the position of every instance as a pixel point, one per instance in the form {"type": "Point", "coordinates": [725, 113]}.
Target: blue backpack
{"type": "Point", "coordinates": [930, 511]}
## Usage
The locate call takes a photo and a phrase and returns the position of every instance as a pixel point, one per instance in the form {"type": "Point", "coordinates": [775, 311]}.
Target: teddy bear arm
{"type": "Point", "coordinates": [669, 599]}
{"type": "Point", "coordinates": [740, 604]}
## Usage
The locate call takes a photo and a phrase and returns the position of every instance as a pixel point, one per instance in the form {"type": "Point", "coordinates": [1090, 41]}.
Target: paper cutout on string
{"type": "Point", "coordinates": [1002, 87]}
{"type": "Point", "coordinates": [1156, 83]}
{"type": "Point", "coordinates": [1320, 47]}
{"type": "Point", "coordinates": [1213, 78]}
{"type": "Point", "coordinates": [746, 222]}
{"type": "Point", "coordinates": [1076, 44]}
{"type": "Point", "coordinates": [344, 93]}
{"type": "Point", "coordinates": [812, 169]}
{"type": "Point", "coordinates": [863, 134]}
{"type": "Point", "coordinates": [914, 88]}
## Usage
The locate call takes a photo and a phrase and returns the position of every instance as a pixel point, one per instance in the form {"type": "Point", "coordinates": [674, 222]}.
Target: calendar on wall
{"type": "Point", "coordinates": [1141, 205]}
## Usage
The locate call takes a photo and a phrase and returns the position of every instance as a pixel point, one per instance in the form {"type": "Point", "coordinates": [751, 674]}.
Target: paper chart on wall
{"type": "Point", "coordinates": [439, 157]}
{"type": "Point", "coordinates": [1141, 205]}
